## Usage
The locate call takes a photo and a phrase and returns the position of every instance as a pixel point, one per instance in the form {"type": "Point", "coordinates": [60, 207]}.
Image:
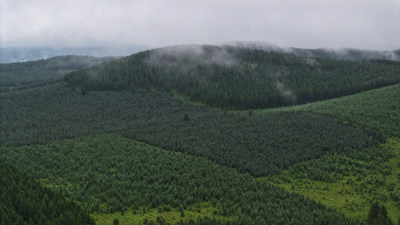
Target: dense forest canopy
{"type": "Point", "coordinates": [110, 173]}
{"type": "Point", "coordinates": [23, 200]}
{"type": "Point", "coordinates": [255, 144]}
{"type": "Point", "coordinates": [377, 109]}
{"type": "Point", "coordinates": [15, 74]}
{"type": "Point", "coordinates": [239, 78]}
{"type": "Point", "coordinates": [119, 141]}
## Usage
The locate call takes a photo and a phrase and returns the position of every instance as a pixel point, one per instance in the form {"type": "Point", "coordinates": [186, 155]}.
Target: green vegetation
{"type": "Point", "coordinates": [377, 109]}
{"type": "Point", "coordinates": [23, 200]}
{"type": "Point", "coordinates": [229, 77]}
{"type": "Point", "coordinates": [259, 145]}
{"type": "Point", "coordinates": [15, 74]}
{"type": "Point", "coordinates": [169, 215]}
{"type": "Point", "coordinates": [142, 155]}
{"type": "Point", "coordinates": [378, 215]}
{"type": "Point", "coordinates": [108, 173]}
{"type": "Point", "coordinates": [350, 182]}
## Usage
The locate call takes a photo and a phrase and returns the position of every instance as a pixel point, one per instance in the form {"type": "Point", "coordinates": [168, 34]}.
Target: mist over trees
{"type": "Point", "coordinates": [333, 53]}
{"type": "Point", "coordinates": [238, 78]}
{"type": "Point", "coordinates": [16, 74]}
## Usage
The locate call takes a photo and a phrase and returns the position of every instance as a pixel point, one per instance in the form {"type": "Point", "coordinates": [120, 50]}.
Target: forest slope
{"type": "Point", "coordinates": [15, 74]}
{"type": "Point", "coordinates": [229, 77]}
{"type": "Point", "coordinates": [377, 109]}
{"type": "Point", "coordinates": [23, 200]}
{"type": "Point", "coordinates": [255, 144]}
{"type": "Point", "coordinates": [108, 173]}
{"type": "Point", "coordinates": [353, 180]}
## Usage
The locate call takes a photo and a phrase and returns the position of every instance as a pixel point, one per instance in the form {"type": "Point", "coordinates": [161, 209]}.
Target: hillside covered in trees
{"type": "Point", "coordinates": [350, 182]}
{"type": "Point", "coordinates": [239, 78]}
{"type": "Point", "coordinates": [23, 200]}
{"type": "Point", "coordinates": [126, 174]}
{"type": "Point", "coordinates": [124, 142]}
{"type": "Point", "coordinates": [255, 144]}
{"type": "Point", "coordinates": [20, 73]}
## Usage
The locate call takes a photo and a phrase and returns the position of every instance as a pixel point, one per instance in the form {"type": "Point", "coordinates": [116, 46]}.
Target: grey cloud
{"type": "Point", "coordinates": [366, 24]}
{"type": "Point", "coordinates": [195, 54]}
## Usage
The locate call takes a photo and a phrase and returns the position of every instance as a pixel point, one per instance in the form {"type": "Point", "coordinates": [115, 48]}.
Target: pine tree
{"type": "Point", "coordinates": [373, 213]}
{"type": "Point", "coordinates": [378, 215]}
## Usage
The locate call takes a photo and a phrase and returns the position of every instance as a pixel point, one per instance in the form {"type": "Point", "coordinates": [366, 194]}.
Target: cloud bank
{"type": "Point", "coordinates": [366, 24]}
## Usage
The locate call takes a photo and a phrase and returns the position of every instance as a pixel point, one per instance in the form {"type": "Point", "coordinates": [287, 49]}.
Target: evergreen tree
{"type": "Point", "coordinates": [186, 117]}
{"type": "Point", "coordinates": [378, 215]}
{"type": "Point", "coordinates": [373, 213]}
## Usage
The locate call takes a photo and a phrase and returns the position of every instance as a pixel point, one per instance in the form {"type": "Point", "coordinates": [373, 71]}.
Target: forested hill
{"type": "Point", "coordinates": [342, 53]}
{"type": "Point", "coordinates": [14, 74]}
{"type": "Point", "coordinates": [239, 78]}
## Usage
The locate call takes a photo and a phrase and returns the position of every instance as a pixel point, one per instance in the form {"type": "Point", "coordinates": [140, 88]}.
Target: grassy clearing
{"type": "Point", "coordinates": [169, 215]}
{"type": "Point", "coordinates": [352, 194]}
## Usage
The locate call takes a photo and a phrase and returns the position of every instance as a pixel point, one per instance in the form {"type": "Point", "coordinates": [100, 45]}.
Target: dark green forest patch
{"type": "Point", "coordinates": [23, 200]}
{"type": "Point", "coordinates": [237, 78]}
{"type": "Point", "coordinates": [107, 173]}
{"type": "Point", "coordinates": [255, 144]}
{"type": "Point", "coordinates": [377, 109]}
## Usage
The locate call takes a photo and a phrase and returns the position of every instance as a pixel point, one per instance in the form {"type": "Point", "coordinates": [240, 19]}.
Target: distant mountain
{"type": "Point", "coordinates": [23, 54]}
{"type": "Point", "coordinates": [15, 74]}
{"type": "Point", "coordinates": [344, 54]}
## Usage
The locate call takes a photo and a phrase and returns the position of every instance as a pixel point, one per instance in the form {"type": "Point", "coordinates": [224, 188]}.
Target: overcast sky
{"type": "Point", "coordinates": [366, 24]}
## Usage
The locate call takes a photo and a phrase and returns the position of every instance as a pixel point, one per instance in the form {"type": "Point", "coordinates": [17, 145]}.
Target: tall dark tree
{"type": "Point", "coordinates": [378, 215]}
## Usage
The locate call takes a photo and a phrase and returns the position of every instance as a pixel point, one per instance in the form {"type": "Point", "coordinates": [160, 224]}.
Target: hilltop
{"type": "Point", "coordinates": [237, 78]}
